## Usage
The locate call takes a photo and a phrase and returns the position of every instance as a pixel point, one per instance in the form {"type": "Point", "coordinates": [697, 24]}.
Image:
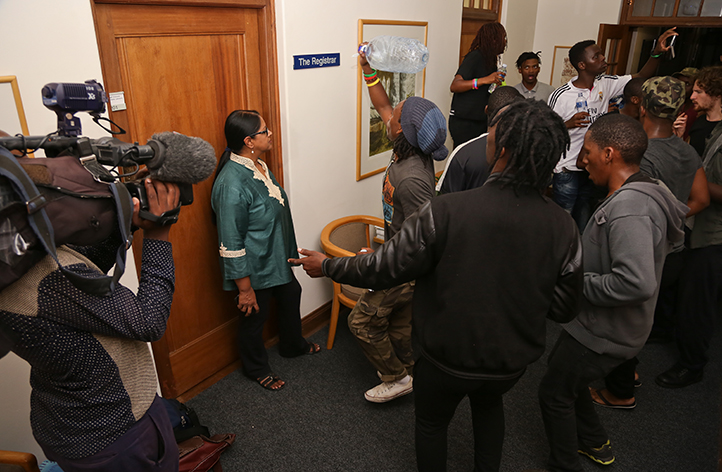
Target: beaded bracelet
{"type": "Point", "coordinates": [475, 86]}
{"type": "Point", "coordinates": [656, 56]}
{"type": "Point", "coordinates": [374, 82]}
{"type": "Point", "coordinates": [371, 74]}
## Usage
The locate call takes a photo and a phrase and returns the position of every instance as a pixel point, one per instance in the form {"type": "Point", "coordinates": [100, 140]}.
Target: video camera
{"type": "Point", "coordinates": [168, 156]}
{"type": "Point", "coordinates": [75, 195]}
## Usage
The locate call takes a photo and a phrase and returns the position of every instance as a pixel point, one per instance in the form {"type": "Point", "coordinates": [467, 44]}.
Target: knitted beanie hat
{"type": "Point", "coordinates": [424, 127]}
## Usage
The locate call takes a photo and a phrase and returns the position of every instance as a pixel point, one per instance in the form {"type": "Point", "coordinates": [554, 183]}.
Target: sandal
{"type": "Point", "coordinates": [606, 403]}
{"type": "Point", "coordinates": [270, 382]}
{"type": "Point", "coordinates": [313, 348]}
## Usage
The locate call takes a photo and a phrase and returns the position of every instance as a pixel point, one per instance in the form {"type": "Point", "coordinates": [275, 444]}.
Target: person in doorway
{"type": "Point", "coordinates": [255, 239]}
{"type": "Point", "coordinates": [625, 245]}
{"type": "Point", "coordinates": [381, 319]}
{"type": "Point", "coordinates": [529, 65]}
{"type": "Point", "coordinates": [470, 86]}
{"type": "Point", "coordinates": [571, 185]}
{"type": "Point", "coordinates": [479, 312]}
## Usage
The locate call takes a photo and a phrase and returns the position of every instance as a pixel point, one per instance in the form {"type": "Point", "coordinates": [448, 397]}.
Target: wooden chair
{"type": "Point", "coordinates": [340, 238]}
{"type": "Point", "coordinates": [11, 461]}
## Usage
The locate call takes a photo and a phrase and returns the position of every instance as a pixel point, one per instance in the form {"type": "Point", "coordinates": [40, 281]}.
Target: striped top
{"type": "Point", "coordinates": [563, 101]}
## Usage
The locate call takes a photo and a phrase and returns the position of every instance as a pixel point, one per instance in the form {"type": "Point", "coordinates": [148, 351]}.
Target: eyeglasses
{"type": "Point", "coordinates": [265, 131]}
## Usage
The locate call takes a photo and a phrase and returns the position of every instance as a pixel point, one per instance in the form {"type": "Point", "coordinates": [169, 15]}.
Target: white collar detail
{"type": "Point", "coordinates": [273, 190]}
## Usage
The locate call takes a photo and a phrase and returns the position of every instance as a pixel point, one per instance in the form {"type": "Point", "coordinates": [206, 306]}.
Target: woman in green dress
{"type": "Point", "coordinates": [256, 239]}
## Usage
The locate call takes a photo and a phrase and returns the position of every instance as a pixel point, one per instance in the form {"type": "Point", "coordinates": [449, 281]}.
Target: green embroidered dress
{"type": "Point", "coordinates": [255, 229]}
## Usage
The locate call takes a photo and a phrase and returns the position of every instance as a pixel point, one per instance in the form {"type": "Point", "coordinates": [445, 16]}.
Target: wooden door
{"type": "Point", "coordinates": [184, 69]}
{"type": "Point", "coordinates": [615, 41]}
{"type": "Point", "coordinates": [474, 14]}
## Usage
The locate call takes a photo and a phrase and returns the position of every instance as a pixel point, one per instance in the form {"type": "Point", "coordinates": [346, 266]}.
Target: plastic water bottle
{"type": "Point", "coordinates": [502, 69]}
{"type": "Point", "coordinates": [581, 104]}
{"type": "Point", "coordinates": [396, 54]}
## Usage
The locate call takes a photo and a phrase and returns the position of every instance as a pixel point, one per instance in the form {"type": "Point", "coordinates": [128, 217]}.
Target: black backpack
{"type": "Point", "coordinates": [184, 420]}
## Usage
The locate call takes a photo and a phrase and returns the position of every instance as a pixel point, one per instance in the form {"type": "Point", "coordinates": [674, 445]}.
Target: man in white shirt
{"type": "Point", "coordinates": [571, 185]}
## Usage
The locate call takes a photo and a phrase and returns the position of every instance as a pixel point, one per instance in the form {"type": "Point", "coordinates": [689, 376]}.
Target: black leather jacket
{"type": "Point", "coordinates": [490, 266]}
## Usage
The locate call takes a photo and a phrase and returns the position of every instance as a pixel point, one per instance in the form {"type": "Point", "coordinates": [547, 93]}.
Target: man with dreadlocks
{"type": "Point", "coordinates": [479, 314]}
{"type": "Point", "coordinates": [381, 319]}
{"type": "Point", "coordinates": [625, 245]}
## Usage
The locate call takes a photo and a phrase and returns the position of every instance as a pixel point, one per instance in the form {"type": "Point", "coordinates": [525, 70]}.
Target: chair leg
{"type": "Point", "coordinates": [335, 307]}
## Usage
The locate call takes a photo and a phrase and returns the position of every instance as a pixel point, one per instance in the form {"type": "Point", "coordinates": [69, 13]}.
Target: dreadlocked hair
{"type": "Point", "coordinates": [491, 40]}
{"type": "Point", "coordinates": [534, 138]}
{"type": "Point", "coordinates": [404, 149]}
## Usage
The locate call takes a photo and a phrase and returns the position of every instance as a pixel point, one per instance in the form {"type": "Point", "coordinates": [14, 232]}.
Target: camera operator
{"type": "Point", "coordinates": [94, 404]}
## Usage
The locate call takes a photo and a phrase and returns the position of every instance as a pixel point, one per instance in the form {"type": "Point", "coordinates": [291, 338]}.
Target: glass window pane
{"type": "Point", "coordinates": [712, 8]}
{"type": "Point", "coordinates": [688, 7]}
{"type": "Point", "coordinates": [467, 3]}
{"type": "Point", "coordinates": [664, 8]}
{"type": "Point", "coordinates": [476, 3]}
{"type": "Point", "coordinates": [642, 8]}
{"type": "Point", "coordinates": [486, 5]}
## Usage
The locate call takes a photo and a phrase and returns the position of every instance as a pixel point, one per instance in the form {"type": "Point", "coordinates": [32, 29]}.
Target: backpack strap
{"type": "Point", "coordinates": [42, 227]}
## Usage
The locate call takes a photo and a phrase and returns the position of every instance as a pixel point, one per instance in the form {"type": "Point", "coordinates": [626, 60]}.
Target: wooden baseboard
{"type": "Point", "coordinates": [310, 323]}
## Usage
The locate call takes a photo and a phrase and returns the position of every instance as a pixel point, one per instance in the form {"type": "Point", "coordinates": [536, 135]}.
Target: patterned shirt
{"type": "Point", "coordinates": [92, 373]}
{"type": "Point", "coordinates": [255, 230]}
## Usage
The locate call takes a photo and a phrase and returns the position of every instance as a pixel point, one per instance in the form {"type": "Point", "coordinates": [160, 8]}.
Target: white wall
{"type": "Point", "coordinates": [319, 109]}
{"type": "Point", "coordinates": [519, 20]}
{"type": "Point", "coordinates": [565, 22]}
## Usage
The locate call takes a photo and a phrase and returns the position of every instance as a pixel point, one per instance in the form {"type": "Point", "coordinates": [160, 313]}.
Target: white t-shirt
{"type": "Point", "coordinates": [563, 101]}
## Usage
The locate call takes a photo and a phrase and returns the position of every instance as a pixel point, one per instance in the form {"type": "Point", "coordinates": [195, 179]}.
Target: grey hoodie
{"type": "Point", "coordinates": [624, 248]}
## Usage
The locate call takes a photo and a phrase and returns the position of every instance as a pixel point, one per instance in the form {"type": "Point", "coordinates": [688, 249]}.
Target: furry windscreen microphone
{"type": "Point", "coordinates": [180, 158]}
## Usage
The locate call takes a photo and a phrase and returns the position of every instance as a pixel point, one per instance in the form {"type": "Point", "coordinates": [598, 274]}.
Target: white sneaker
{"type": "Point", "coordinates": [387, 391]}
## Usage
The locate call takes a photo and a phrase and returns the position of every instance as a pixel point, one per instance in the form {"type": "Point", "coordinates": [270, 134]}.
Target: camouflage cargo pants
{"type": "Point", "coordinates": [381, 322]}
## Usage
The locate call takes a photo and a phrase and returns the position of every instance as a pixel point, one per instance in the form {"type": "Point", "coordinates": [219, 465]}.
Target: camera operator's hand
{"type": "Point", "coordinates": [162, 197]}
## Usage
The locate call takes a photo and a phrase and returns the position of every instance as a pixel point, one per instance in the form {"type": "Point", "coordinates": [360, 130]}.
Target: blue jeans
{"type": "Point", "coordinates": [573, 192]}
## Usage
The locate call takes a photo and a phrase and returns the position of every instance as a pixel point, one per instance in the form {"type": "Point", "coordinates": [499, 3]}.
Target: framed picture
{"type": "Point", "coordinates": [562, 70]}
{"type": "Point", "coordinates": [373, 147]}
{"type": "Point", "coordinates": [12, 123]}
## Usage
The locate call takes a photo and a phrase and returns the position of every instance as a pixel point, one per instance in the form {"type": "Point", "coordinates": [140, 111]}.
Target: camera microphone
{"type": "Point", "coordinates": [180, 159]}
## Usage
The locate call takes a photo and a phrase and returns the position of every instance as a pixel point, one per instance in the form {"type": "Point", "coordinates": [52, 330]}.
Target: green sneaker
{"type": "Point", "coordinates": [601, 455]}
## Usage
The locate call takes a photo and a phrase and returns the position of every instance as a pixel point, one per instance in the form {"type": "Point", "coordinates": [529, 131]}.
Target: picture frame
{"type": "Point", "coordinates": [562, 69]}
{"type": "Point", "coordinates": [373, 150]}
{"type": "Point", "coordinates": [9, 99]}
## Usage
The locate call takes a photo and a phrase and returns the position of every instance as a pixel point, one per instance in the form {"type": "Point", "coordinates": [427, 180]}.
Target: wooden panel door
{"type": "Point", "coordinates": [184, 69]}
{"type": "Point", "coordinates": [615, 41]}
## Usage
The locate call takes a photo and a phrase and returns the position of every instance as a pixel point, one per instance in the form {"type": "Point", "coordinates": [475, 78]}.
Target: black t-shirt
{"type": "Point", "coordinates": [468, 168]}
{"type": "Point", "coordinates": [699, 132]}
{"type": "Point", "coordinates": [674, 162]}
{"type": "Point", "coordinates": [470, 105]}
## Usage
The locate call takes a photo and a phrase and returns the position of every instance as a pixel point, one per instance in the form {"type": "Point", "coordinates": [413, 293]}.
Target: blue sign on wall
{"type": "Point", "coordinates": [310, 61]}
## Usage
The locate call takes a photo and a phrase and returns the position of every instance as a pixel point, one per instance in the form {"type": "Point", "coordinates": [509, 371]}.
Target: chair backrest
{"type": "Point", "coordinates": [351, 236]}
{"type": "Point", "coordinates": [346, 236]}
